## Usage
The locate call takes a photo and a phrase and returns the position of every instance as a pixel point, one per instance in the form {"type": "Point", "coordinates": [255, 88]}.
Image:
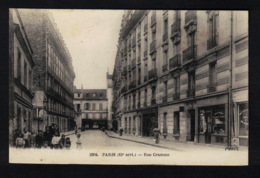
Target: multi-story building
{"type": "Point", "coordinates": [110, 123]}
{"type": "Point", "coordinates": [53, 73]}
{"type": "Point", "coordinates": [91, 107]}
{"type": "Point", "coordinates": [185, 72]}
{"type": "Point", "coordinates": [20, 77]}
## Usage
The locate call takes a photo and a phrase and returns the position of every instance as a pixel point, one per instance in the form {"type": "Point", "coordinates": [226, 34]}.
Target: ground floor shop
{"type": "Point", "coordinates": [93, 123]}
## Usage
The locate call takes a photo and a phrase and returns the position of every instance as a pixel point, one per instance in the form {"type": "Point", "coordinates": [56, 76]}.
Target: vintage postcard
{"type": "Point", "coordinates": [128, 87]}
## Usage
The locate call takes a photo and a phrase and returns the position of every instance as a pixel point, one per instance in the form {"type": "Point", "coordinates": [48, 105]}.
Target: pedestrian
{"type": "Point", "coordinates": [55, 141]}
{"type": "Point", "coordinates": [52, 129]}
{"type": "Point", "coordinates": [16, 134]}
{"type": "Point", "coordinates": [68, 143]}
{"type": "Point", "coordinates": [39, 139]}
{"type": "Point", "coordinates": [19, 142]}
{"type": "Point", "coordinates": [156, 133]}
{"type": "Point", "coordinates": [33, 139]}
{"type": "Point", "coordinates": [76, 130]}
{"type": "Point", "coordinates": [48, 135]}
{"type": "Point", "coordinates": [62, 142]}
{"type": "Point", "coordinates": [120, 131]}
{"type": "Point", "coordinates": [78, 142]}
{"type": "Point", "coordinates": [26, 137]}
{"type": "Point", "coordinates": [56, 129]}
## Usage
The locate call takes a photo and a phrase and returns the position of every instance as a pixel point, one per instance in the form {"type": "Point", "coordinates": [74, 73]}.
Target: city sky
{"type": "Point", "coordinates": [91, 37]}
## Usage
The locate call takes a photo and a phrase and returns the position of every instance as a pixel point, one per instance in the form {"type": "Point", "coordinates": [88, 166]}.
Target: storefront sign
{"type": "Point", "coordinates": [240, 96]}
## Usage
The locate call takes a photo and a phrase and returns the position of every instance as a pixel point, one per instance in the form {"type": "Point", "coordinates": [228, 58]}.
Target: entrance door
{"type": "Point", "coordinates": [149, 123]}
{"type": "Point", "coordinates": [208, 118]}
{"type": "Point", "coordinates": [146, 126]}
{"type": "Point", "coordinates": [192, 124]}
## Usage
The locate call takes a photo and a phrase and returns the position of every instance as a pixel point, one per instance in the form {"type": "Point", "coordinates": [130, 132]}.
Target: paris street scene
{"type": "Point", "coordinates": [157, 87]}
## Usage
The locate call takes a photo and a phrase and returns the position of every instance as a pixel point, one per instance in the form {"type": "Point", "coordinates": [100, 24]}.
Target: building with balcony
{"type": "Point", "coordinates": [21, 66]}
{"type": "Point", "coordinates": [192, 75]}
{"type": "Point", "coordinates": [91, 107]}
{"type": "Point", "coordinates": [53, 73]}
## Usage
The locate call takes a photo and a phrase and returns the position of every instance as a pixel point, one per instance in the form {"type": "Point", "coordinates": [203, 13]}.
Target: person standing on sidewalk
{"type": "Point", "coordinates": [48, 135]}
{"type": "Point", "coordinates": [78, 142]}
{"type": "Point", "coordinates": [156, 133]}
{"type": "Point", "coordinates": [26, 137]}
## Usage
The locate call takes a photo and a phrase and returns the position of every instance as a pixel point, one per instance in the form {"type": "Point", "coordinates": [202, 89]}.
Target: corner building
{"type": "Point", "coordinates": [53, 72]}
{"type": "Point", "coordinates": [185, 72]}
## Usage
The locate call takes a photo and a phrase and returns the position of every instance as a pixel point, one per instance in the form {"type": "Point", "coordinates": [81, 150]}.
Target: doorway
{"type": "Point", "coordinates": [192, 124]}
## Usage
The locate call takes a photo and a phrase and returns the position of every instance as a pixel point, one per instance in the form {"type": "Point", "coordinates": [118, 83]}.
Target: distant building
{"type": "Point", "coordinates": [185, 72]}
{"type": "Point", "coordinates": [91, 107]}
{"type": "Point", "coordinates": [53, 74]}
{"type": "Point", "coordinates": [21, 66]}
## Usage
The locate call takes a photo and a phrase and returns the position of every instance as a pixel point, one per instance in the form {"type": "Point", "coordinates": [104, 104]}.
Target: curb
{"type": "Point", "coordinates": [159, 146]}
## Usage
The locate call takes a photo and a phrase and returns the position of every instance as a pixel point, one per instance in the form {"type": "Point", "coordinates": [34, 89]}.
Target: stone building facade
{"type": "Point", "coordinates": [185, 72]}
{"type": "Point", "coordinates": [21, 66]}
{"type": "Point", "coordinates": [91, 107]}
{"type": "Point", "coordinates": [53, 72]}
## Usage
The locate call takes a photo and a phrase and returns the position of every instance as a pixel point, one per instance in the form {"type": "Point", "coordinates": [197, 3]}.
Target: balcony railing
{"type": "Point", "coordinates": [133, 62]}
{"type": "Point", "coordinates": [165, 68]}
{"type": "Point", "coordinates": [152, 73]}
{"type": "Point", "coordinates": [190, 16]}
{"type": "Point", "coordinates": [175, 28]}
{"type": "Point", "coordinates": [139, 36]}
{"type": "Point", "coordinates": [133, 42]}
{"type": "Point", "coordinates": [145, 28]}
{"type": "Point", "coordinates": [190, 92]}
{"type": "Point", "coordinates": [153, 46]}
{"type": "Point", "coordinates": [212, 87]}
{"type": "Point", "coordinates": [175, 61]}
{"type": "Point", "coordinates": [190, 53]}
{"type": "Point", "coordinates": [212, 42]}
{"type": "Point", "coordinates": [132, 84]}
{"type": "Point", "coordinates": [164, 99]}
{"type": "Point", "coordinates": [153, 19]}
{"type": "Point", "coordinates": [138, 59]}
{"type": "Point", "coordinates": [176, 96]}
{"type": "Point", "coordinates": [145, 53]}
{"type": "Point", "coordinates": [145, 78]}
{"type": "Point", "coordinates": [165, 37]}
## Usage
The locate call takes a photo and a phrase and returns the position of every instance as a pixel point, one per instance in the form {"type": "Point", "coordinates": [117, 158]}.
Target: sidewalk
{"type": "Point", "coordinates": [171, 145]}
{"type": "Point", "coordinates": [72, 132]}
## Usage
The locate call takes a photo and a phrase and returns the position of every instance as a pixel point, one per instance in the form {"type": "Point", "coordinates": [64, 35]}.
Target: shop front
{"type": "Point", "coordinates": [212, 120]}
{"type": "Point", "coordinates": [241, 117]}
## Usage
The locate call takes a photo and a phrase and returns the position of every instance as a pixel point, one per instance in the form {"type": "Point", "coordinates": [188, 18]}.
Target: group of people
{"type": "Point", "coordinates": [50, 139]}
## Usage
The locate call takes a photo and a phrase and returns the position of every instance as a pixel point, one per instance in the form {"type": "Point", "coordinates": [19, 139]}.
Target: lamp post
{"type": "Point", "coordinates": [39, 108]}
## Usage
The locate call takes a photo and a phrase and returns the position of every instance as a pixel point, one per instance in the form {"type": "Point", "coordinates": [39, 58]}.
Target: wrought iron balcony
{"type": "Point", "coordinates": [133, 42]}
{"type": "Point", "coordinates": [165, 37]}
{"type": "Point", "coordinates": [190, 15]}
{"type": "Point", "coordinates": [164, 68]}
{"type": "Point", "coordinates": [145, 53]}
{"type": "Point", "coordinates": [212, 42]}
{"type": "Point", "coordinates": [164, 99]}
{"type": "Point", "coordinates": [132, 84]}
{"type": "Point", "coordinates": [138, 59]}
{"type": "Point", "coordinates": [133, 62]}
{"type": "Point", "coordinates": [212, 87]}
{"type": "Point", "coordinates": [152, 46]}
{"type": "Point", "coordinates": [191, 92]}
{"type": "Point", "coordinates": [145, 28]}
{"type": "Point", "coordinates": [152, 74]}
{"type": "Point", "coordinates": [145, 78]}
{"type": "Point", "coordinates": [175, 28]}
{"type": "Point", "coordinates": [138, 36]}
{"type": "Point", "coordinates": [153, 19]}
{"type": "Point", "coordinates": [176, 96]}
{"type": "Point", "coordinates": [175, 61]}
{"type": "Point", "coordinates": [190, 53]}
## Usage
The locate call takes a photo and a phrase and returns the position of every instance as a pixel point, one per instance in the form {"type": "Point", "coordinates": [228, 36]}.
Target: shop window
{"type": "Point", "coordinates": [176, 129]}
{"type": "Point", "coordinates": [243, 119]}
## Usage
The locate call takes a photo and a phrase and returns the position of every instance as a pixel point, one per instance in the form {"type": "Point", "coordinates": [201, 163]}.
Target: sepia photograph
{"type": "Point", "coordinates": [128, 87]}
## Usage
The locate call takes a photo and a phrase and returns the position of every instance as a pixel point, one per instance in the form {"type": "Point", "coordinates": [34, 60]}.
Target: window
{"type": "Point", "coordinates": [101, 94]}
{"type": "Point", "coordinates": [134, 101]}
{"type": "Point", "coordinates": [86, 106]}
{"type": "Point", "coordinates": [165, 26]}
{"type": "Point", "coordinates": [139, 75]}
{"type": "Point", "coordinates": [145, 96]}
{"type": "Point", "coordinates": [145, 69]}
{"type": "Point", "coordinates": [212, 73]}
{"type": "Point", "coordinates": [165, 90]}
{"type": "Point", "coordinates": [78, 95]}
{"type": "Point", "coordinates": [93, 106]}
{"type": "Point", "coordinates": [94, 94]}
{"type": "Point", "coordinates": [30, 80]}
{"type": "Point", "coordinates": [164, 122]}
{"type": "Point", "coordinates": [100, 106]}
{"type": "Point", "coordinates": [191, 83]}
{"type": "Point", "coordinates": [19, 64]}
{"type": "Point", "coordinates": [25, 74]}
{"type": "Point", "coordinates": [176, 127]}
{"type": "Point", "coordinates": [212, 29]}
{"type": "Point", "coordinates": [243, 119]}
{"type": "Point", "coordinates": [177, 87]}
{"type": "Point", "coordinates": [165, 57]}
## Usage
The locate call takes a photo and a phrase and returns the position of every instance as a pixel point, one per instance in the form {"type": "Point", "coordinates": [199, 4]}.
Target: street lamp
{"type": "Point", "coordinates": [39, 108]}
